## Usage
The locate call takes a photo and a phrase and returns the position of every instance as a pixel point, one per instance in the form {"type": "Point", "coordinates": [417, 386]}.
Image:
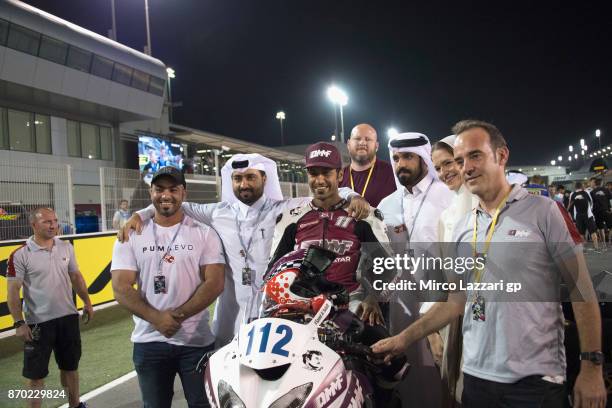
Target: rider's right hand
{"type": "Point", "coordinates": [134, 223]}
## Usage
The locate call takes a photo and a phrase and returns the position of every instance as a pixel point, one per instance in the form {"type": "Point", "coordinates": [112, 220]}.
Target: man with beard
{"type": "Point", "coordinates": [178, 264]}
{"type": "Point", "coordinates": [513, 348]}
{"type": "Point", "coordinates": [372, 178]}
{"type": "Point", "coordinates": [411, 215]}
{"type": "Point", "coordinates": [245, 219]}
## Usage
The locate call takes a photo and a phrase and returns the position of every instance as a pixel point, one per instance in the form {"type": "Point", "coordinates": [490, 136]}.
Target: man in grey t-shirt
{"type": "Point", "coordinates": [513, 351]}
{"type": "Point", "coordinates": [45, 267]}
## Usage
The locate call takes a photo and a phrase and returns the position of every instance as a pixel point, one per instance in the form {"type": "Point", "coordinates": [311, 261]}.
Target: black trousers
{"type": "Point", "coordinates": [529, 392]}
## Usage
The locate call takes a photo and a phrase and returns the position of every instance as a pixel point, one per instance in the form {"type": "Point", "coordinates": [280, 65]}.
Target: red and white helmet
{"type": "Point", "coordinates": [286, 289]}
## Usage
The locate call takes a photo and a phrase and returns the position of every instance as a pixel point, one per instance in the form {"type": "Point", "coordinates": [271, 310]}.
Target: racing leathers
{"type": "Point", "coordinates": [336, 231]}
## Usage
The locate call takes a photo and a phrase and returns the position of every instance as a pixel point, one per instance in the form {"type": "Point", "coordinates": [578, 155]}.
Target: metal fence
{"type": "Point", "coordinates": [126, 184]}
{"type": "Point", "coordinates": [25, 186]}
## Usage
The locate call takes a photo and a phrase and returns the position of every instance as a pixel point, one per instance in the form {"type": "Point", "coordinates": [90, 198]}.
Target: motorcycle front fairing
{"type": "Point", "coordinates": [277, 363]}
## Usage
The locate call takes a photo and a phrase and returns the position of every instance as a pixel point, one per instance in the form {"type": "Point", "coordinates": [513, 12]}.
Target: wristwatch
{"type": "Point", "coordinates": [595, 357]}
{"type": "Point", "coordinates": [18, 323]}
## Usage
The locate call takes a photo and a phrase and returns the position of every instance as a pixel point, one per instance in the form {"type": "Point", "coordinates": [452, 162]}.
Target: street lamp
{"type": "Point", "coordinates": [171, 75]}
{"type": "Point", "coordinates": [280, 115]}
{"type": "Point", "coordinates": [339, 98]}
{"type": "Point", "coordinates": [148, 50]}
{"type": "Point", "coordinates": [392, 132]}
{"type": "Point", "coordinates": [598, 136]}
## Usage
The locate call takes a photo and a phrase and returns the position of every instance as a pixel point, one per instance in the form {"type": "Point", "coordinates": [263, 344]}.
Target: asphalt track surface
{"type": "Point", "coordinates": [127, 394]}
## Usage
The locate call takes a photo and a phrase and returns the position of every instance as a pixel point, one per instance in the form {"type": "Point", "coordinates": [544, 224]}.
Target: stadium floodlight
{"type": "Point", "coordinates": [337, 95]}
{"type": "Point", "coordinates": [552, 162]}
{"type": "Point", "coordinates": [392, 132]}
{"type": "Point", "coordinates": [581, 142]}
{"type": "Point", "coordinates": [571, 148]}
{"type": "Point", "coordinates": [560, 158]}
{"type": "Point", "coordinates": [280, 115]}
{"type": "Point", "coordinates": [339, 99]}
{"type": "Point", "coordinates": [171, 73]}
{"type": "Point", "coordinates": [598, 136]}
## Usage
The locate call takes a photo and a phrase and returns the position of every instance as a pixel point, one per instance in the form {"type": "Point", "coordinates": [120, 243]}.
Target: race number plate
{"type": "Point", "coordinates": [271, 342]}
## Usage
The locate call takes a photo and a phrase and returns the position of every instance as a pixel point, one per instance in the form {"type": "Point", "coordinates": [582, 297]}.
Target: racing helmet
{"type": "Point", "coordinates": [296, 283]}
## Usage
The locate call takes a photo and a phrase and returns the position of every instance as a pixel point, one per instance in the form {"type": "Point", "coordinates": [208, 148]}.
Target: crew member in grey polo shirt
{"type": "Point", "coordinates": [513, 351]}
{"type": "Point", "coordinates": [46, 268]}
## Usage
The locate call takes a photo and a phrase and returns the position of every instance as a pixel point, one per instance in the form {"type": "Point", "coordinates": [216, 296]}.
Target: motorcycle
{"type": "Point", "coordinates": [296, 358]}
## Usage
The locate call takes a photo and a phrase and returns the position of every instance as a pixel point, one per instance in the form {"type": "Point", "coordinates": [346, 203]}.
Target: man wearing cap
{"type": "Point", "coordinates": [325, 222]}
{"type": "Point", "coordinates": [411, 215]}
{"type": "Point", "coordinates": [245, 218]}
{"type": "Point", "coordinates": [513, 348]}
{"type": "Point", "coordinates": [372, 178]}
{"type": "Point", "coordinates": [178, 266]}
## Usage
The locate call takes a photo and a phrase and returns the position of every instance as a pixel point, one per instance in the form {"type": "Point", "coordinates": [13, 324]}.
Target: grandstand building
{"type": "Point", "coordinates": [73, 104]}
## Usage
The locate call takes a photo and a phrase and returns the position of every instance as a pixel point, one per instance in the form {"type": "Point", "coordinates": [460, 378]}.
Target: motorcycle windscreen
{"type": "Point", "coordinates": [269, 342]}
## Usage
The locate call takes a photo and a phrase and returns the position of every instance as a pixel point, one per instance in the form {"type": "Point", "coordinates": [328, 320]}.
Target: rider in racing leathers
{"type": "Point", "coordinates": [324, 222]}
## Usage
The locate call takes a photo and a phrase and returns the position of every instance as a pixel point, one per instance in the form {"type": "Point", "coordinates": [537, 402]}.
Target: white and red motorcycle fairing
{"type": "Point", "coordinates": [278, 363]}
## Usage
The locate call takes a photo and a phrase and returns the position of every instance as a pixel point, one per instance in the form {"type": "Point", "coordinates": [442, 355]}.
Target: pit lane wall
{"type": "Point", "coordinates": [93, 253]}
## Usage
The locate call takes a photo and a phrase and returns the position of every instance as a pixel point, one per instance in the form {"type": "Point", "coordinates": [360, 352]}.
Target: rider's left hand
{"type": "Point", "coordinates": [358, 208]}
{"type": "Point", "coordinates": [370, 312]}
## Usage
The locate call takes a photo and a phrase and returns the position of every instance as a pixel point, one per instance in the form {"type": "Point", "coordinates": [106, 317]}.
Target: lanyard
{"type": "Point", "coordinates": [367, 180]}
{"type": "Point", "coordinates": [246, 249]}
{"type": "Point", "coordinates": [489, 236]}
{"type": "Point", "coordinates": [161, 260]}
{"type": "Point", "coordinates": [417, 213]}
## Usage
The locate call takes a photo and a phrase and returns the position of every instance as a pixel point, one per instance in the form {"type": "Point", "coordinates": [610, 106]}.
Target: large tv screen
{"type": "Point", "coordinates": [154, 153]}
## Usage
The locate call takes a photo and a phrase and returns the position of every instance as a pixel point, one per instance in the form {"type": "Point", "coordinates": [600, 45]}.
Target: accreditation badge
{"type": "Point", "coordinates": [246, 276]}
{"type": "Point", "coordinates": [478, 309]}
{"type": "Point", "coordinates": [159, 285]}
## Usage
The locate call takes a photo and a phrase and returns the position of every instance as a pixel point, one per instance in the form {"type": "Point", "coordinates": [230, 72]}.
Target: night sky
{"type": "Point", "coordinates": [542, 73]}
